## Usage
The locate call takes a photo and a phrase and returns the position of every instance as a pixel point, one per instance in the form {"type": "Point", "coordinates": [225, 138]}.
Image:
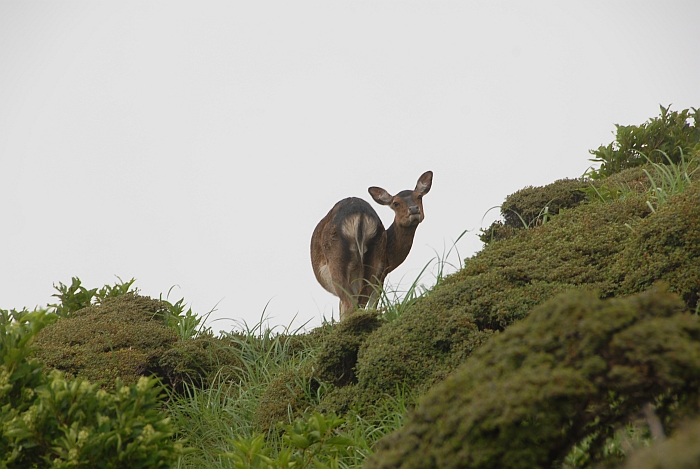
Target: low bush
{"type": "Point", "coordinates": [533, 206]}
{"type": "Point", "coordinates": [665, 246]}
{"type": "Point", "coordinates": [123, 337]}
{"type": "Point", "coordinates": [498, 286]}
{"type": "Point", "coordinates": [576, 368]}
{"type": "Point", "coordinates": [673, 133]}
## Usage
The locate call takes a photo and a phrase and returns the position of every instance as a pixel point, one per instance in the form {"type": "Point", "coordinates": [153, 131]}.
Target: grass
{"type": "Point", "coordinates": [670, 179]}
{"type": "Point", "coordinates": [393, 300]}
{"type": "Point", "coordinates": [666, 180]}
{"type": "Point", "coordinates": [217, 421]}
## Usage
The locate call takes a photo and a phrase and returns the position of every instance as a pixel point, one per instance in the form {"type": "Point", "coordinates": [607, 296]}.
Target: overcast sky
{"type": "Point", "coordinates": [197, 144]}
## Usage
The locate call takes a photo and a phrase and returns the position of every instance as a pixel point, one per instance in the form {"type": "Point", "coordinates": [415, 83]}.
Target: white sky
{"type": "Point", "coordinates": [198, 143]}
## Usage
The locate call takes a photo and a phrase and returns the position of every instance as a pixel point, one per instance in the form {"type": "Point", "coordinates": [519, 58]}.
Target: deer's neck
{"type": "Point", "coordinates": [398, 244]}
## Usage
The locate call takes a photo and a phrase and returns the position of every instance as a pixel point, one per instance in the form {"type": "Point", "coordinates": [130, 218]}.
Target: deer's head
{"type": "Point", "coordinates": [407, 205]}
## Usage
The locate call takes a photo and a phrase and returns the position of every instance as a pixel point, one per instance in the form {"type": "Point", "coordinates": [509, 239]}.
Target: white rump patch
{"type": "Point", "coordinates": [325, 274]}
{"type": "Point", "coordinates": [351, 230]}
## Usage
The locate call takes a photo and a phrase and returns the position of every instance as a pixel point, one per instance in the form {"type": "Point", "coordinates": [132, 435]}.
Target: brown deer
{"type": "Point", "coordinates": [352, 253]}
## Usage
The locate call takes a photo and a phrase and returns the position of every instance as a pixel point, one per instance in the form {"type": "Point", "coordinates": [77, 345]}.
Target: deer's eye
{"type": "Point", "coordinates": [396, 205]}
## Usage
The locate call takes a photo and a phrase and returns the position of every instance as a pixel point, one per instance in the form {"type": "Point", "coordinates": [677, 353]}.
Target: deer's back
{"type": "Point", "coordinates": [345, 235]}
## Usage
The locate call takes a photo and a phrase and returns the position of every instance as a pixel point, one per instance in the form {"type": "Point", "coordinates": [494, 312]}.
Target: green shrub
{"type": "Point", "coordinates": [123, 337]}
{"type": "Point", "coordinates": [534, 206]}
{"type": "Point", "coordinates": [665, 246]}
{"type": "Point", "coordinates": [312, 441]}
{"type": "Point", "coordinates": [48, 421]}
{"type": "Point", "coordinates": [288, 395]}
{"type": "Point", "coordinates": [196, 361]}
{"type": "Point", "coordinates": [576, 368]}
{"type": "Point", "coordinates": [335, 362]}
{"type": "Point", "coordinates": [673, 133]}
{"type": "Point", "coordinates": [498, 286]}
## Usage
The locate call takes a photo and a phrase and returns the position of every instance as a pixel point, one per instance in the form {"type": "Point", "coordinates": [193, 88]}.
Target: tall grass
{"type": "Point", "coordinates": [216, 420]}
{"type": "Point", "coordinates": [209, 417]}
{"type": "Point", "coordinates": [669, 179]}
{"type": "Point", "coordinates": [393, 300]}
{"type": "Point", "coordinates": [665, 180]}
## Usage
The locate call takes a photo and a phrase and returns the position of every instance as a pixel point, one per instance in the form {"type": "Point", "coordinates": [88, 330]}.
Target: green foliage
{"type": "Point", "coordinates": [672, 133]}
{"type": "Point", "coordinates": [575, 368]}
{"type": "Point", "coordinates": [76, 297]}
{"type": "Point", "coordinates": [48, 421]}
{"type": "Point", "coordinates": [187, 324]}
{"type": "Point", "coordinates": [198, 361]}
{"type": "Point", "coordinates": [119, 289]}
{"type": "Point", "coordinates": [73, 298]}
{"type": "Point", "coordinates": [630, 182]}
{"type": "Point", "coordinates": [335, 362]}
{"type": "Point", "coordinates": [314, 441]}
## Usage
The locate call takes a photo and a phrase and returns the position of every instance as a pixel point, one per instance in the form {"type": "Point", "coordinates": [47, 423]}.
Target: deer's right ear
{"type": "Point", "coordinates": [424, 182]}
{"type": "Point", "coordinates": [380, 196]}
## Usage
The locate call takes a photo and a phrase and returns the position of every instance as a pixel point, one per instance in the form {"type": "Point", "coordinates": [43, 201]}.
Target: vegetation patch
{"type": "Point", "coordinates": [575, 368]}
{"type": "Point", "coordinates": [122, 337]}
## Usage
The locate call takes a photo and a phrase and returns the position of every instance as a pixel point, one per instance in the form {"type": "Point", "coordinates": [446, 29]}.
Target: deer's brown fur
{"type": "Point", "coordinates": [352, 253]}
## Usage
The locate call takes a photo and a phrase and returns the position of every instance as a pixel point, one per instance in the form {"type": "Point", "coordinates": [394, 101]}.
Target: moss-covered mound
{"type": "Point", "coordinates": [528, 205]}
{"type": "Point", "coordinates": [126, 337]}
{"type": "Point", "coordinates": [293, 392]}
{"type": "Point", "coordinates": [666, 246]}
{"type": "Point", "coordinates": [123, 337]}
{"type": "Point", "coordinates": [337, 358]}
{"type": "Point", "coordinates": [498, 286]}
{"type": "Point", "coordinates": [574, 368]}
{"type": "Point", "coordinates": [199, 360]}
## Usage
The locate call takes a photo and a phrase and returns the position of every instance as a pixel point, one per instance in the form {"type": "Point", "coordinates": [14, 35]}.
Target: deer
{"type": "Point", "coordinates": [352, 253]}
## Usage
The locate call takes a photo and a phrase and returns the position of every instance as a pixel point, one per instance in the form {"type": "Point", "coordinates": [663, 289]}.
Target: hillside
{"type": "Point", "coordinates": [559, 344]}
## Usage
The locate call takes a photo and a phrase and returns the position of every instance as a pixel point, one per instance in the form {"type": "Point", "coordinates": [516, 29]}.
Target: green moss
{"type": "Point", "coordinates": [122, 337]}
{"type": "Point", "coordinates": [528, 205]}
{"type": "Point", "coordinates": [574, 368]}
{"type": "Point", "coordinates": [287, 396]}
{"type": "Point", "coordinates": [336, 360]}
{"type": "Point", "coordinates": [533, 206]}
{"type": "Point", "coordinates": [197, 360]}
{"type": "Point", "coordinates": [497, 287]}
{"type": "Point", "coordinates": [666, 246]}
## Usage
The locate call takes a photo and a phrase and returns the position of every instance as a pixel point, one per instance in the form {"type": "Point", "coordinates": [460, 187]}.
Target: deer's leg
{"type": "Point", "coordinates": [373, 273]}
{"type": "Point", "coordinates": [343, 287]}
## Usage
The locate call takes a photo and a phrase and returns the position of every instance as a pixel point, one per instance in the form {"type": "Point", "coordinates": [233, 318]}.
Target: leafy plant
{"type": "Point", "coordinates": [672, 134]}
{"type": "Point", "coordinates": [187, 324]}
{"type": "Point", "coordinates": [313, 441]}
{"type": "Point", "coordinates": [72, 298]}
{"type": "Point", "coordinates": [49, 421]}
{"type": "Point", "coordinates": [76, 297]}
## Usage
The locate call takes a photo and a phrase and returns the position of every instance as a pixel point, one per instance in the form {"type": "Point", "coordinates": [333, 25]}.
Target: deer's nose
{"type": "Point", "coordinates": [414, 210]}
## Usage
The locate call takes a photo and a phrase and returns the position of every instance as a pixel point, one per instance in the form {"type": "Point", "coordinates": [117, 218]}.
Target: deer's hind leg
{"type": "Point", "coordinates": [373, 271]}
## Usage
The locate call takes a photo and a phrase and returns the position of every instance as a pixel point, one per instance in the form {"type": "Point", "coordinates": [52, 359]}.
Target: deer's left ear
{"type": "Point", "coordinates": [380, 196]}
{"type": "Point", "coordinates": [424, 182]}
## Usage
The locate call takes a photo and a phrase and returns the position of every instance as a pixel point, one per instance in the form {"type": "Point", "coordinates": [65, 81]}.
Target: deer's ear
{"type": "Point", "coordinates": [380, 196]}
{"type": "Point", "coordinates": [424, 182]}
